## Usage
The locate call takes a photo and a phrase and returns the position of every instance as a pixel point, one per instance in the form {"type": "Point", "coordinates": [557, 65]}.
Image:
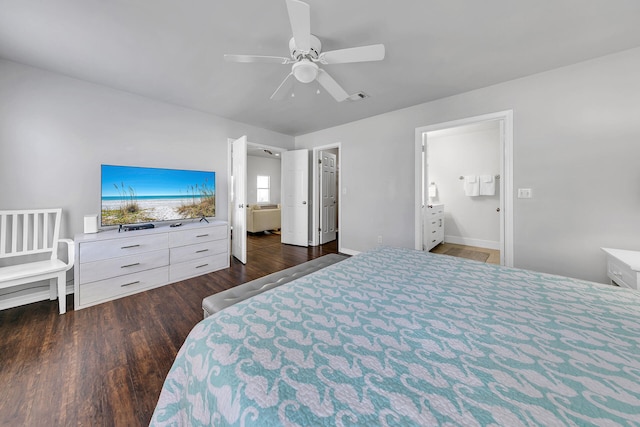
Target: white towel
{"type": "Point", "coordinates": [433, 190]}
{"type": "Point", "coordinates": [471, 185]}
{"type": "Point", "coordinates": [487, 185]}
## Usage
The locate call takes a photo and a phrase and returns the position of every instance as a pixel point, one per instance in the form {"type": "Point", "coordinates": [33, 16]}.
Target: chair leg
{"type": "Point", "coordinates": [52, 289]}
{"type": "Point", "coordinates": [62, 292]}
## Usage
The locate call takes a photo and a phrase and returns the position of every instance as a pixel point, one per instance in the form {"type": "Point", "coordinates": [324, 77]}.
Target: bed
{"type": "Point", "coordinates": [400, 337]}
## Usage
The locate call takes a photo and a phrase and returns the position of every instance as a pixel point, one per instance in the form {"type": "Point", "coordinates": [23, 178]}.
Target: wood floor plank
{"type": "Point", "coordinates": [105, 365]}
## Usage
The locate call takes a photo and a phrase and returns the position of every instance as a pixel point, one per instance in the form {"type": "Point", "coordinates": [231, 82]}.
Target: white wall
{"type": "Point", "coordinates": [468, 150]}
{"type": "Point", "coordinates": [55, 132]}
{"type": "Point", "coordinates": [263, 166]}
{"type": "Point", "coordinates": [576, 143]}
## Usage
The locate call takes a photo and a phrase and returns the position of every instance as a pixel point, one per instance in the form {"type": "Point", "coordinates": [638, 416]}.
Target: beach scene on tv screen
{"type": "Point", "coordinates": [133, 195]}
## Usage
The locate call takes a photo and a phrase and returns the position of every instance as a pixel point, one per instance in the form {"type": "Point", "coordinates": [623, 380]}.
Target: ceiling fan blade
{"type": "Point", "coordinates": [331, 86]}
{"type": "Point", "coordinates": [374, 52]}
{"type": "Point", "coordinates": [284, 88]}
{"type": "Point", "coordinates": [300, 18]}
{"type": "Point", "coordinates": [257, 58]}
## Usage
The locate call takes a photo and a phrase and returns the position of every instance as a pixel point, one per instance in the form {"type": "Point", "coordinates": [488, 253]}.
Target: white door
{"type": "Point", "coordinates": [328, 197]}
{"type": "Point", "coordinates": [239, 170]}
{"type": "Point", "coordinates": [295, 190]}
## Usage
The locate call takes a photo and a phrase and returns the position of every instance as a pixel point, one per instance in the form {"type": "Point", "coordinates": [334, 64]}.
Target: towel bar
{"type": "Point", "coordinates": [462, 177]}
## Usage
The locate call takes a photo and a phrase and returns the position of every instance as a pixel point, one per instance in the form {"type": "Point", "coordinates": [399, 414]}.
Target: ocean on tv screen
{"type": "Point", "coordinates": [132, 195]}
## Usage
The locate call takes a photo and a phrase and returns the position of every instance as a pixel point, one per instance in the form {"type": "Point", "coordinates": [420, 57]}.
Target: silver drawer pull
{"type": "Point", "coordinates": [130, 265]}
{"type": "Point", "coordinates": [202, 235]}
{"type": "Point", "coordinates": [203, 265]}
{"type": "Point", "coordinates": [130, 246]}
{"type": "Point", "coordinates": [202, 250]}
{"type": "Point", "coordinates": [129, 284]}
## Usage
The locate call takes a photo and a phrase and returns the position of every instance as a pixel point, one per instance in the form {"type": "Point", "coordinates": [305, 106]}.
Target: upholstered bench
{"type": "Point", "coordinates": [216, 302]}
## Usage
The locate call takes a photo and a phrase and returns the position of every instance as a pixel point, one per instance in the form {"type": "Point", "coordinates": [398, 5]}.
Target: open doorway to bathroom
{"type": "Point", "coordinates": [463, 188]}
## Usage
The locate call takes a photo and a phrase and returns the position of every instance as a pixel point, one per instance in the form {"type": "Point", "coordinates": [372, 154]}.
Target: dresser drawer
{"type": "Point", "coordinates": [622, 274]}
{"type": "Point", "coordinates": [109, 289]}
{"type": "Point", "coordinates": [433, 210]}
{"type": "Point", "coordinates": [197, 235]}
{"type": "Point", "coordinates": [439, 234]}
{"type": "Point", "coordinates": [197, 267]}
{"type": "Point", "coordinates": [435, 231]}
{"type": "Point", "coordinates": [112, 248]}
{"type": "Point", "coordinates": [199, 250]}
{"type": "Point", "coordinates": [435, 222]}
{"type": "Point", "coordinates": [113, 267]}
{"type": "Point", "coordinates": [433, 241]}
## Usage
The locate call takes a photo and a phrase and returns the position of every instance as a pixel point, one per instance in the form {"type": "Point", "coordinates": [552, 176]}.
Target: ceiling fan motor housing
{"type": "Point", "coordinates": [314, 49]}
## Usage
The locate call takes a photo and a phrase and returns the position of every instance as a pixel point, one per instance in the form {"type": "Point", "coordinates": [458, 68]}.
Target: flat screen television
{"type": "Point", "coordinates": [133, 195]}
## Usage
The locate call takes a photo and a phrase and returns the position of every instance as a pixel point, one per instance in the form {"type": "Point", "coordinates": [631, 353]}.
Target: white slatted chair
{"type": "Point", "coordinates": [29, 234]}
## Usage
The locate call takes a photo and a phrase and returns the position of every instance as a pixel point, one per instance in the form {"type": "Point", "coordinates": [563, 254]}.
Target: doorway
{"type": "Point", "coordinates": [264, 168]}
{"type": "Point", "coordinates": [452, 155]}
{"type": "Point", "coordinates": [254, 176]}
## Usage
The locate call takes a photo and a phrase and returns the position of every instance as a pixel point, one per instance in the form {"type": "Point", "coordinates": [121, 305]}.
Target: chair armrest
{"type": "Point", "coordinates": [71, 251]}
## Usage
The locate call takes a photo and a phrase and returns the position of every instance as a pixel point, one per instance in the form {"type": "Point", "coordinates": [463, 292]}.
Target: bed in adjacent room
{"type": "Point", "coordinates": [400, 337]}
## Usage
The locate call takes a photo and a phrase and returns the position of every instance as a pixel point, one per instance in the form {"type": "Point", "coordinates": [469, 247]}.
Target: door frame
{"type": "Point", "coordinates": [230, 183]}
{"type": "Point", "coordinates": [315, 193]}
{"type": "Point", "coordinates": [506, 177]}
{"type": "Point", "coordinates": [328, 234]}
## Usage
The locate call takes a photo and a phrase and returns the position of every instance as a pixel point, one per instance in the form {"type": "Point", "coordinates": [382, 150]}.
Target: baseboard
{"type": "Point", "coordinates": [348, 251]}
{"type": "Point", "coordinates": [487, 244]}
{"type": "Point", "coordinates": [29, 296]}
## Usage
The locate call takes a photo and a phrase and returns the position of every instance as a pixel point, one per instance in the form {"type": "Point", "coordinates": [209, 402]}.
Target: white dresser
{"type": "Point", "coordinates": [623, 267]}
{"type": "Point", "coordinates": [433, 225]}
{"type": "Point", "coordinates": [110, 265]}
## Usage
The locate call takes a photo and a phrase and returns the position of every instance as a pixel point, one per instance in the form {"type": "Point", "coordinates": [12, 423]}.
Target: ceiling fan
{"type": "Point", "coordinates": [306, 53]}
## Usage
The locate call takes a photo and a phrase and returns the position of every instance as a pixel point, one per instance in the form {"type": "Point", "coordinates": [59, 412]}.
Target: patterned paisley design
{"type": "Point", "coordinates": [396, 337]}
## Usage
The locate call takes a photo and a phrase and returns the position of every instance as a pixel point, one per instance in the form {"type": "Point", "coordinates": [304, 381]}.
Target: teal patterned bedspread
{"type": "Point", "coordinates": [397, 337]}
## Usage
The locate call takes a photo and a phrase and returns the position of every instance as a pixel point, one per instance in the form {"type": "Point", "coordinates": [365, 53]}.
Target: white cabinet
{"type": "Point", "coordinates": [623, 267]}
{"type": "Point", "coordinates": [110, 265]}
{"type": "Point", "coordinates": [433, 225]}
{"type": "Point", "coordinates": [197, 251]}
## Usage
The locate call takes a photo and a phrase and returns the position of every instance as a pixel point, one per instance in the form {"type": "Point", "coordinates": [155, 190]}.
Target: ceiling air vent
{"type": "Point", "coordinates": [358, 96]}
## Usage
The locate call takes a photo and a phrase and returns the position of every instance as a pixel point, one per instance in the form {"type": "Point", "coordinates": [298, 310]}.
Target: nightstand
{"type": "Point", "coordinates": [623, 267]}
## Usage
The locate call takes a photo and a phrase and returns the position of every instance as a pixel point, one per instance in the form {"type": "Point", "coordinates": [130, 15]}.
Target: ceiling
{"type": "Point", "coordinates": [173, 50]}
{"type": "Point", "coordinates": [268, 152]}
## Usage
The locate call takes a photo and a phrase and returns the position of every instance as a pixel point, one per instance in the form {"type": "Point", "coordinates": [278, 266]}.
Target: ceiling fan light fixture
{"type": "Point", "coordinates": [305, 71]}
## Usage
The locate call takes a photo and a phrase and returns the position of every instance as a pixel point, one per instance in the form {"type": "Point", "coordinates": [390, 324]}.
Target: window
{"type": "Point", "coordinates": [263, 193]}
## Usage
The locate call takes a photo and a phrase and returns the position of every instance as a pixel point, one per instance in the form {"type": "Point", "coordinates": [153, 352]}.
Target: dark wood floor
{"type": "Point", "coordinates": [105, 365]}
